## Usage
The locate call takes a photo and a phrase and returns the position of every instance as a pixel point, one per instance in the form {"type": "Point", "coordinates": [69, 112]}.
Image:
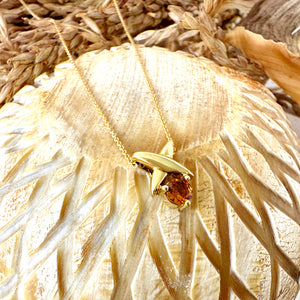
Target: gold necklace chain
{"type": "Point", "coordinates": [92, 98]}
{"type": "Point", "coordinates": [150, 86]}
{"type": "Point", "coordinates": [168, 176]}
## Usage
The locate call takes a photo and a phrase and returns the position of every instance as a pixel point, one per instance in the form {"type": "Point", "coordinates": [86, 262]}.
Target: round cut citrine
{"type": "Point", "coordinates": [179, 190]}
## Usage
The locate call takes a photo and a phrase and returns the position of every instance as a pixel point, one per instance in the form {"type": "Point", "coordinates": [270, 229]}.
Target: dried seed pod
{"type": "Point", "coordinates": [276, 20]}
{"type": "Point", "coordinates": [281, 65]}
{"type": "Point", "coordinates": [77, 221]}
{"type": "Point", "coordinates": [269, 36]}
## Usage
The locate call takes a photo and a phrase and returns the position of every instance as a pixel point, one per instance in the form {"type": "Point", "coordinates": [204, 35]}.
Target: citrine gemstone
{"type": "Point", "coordinates": [179, 191]}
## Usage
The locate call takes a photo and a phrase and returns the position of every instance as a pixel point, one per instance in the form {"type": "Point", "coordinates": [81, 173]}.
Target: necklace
{"type": "Point", "coordinates": [169, 177]}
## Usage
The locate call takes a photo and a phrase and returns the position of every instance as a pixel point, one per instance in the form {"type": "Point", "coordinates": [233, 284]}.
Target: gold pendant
{"type": "Point", "coordinates": [168, 176]}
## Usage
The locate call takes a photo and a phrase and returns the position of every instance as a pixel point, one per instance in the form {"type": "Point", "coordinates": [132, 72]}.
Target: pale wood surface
{"type": "Point", "coordinates": [77, 221]}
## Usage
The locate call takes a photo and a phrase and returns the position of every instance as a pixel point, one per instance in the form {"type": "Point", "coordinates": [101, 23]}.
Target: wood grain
{"type": "Point", "coordinates": [78, 223]}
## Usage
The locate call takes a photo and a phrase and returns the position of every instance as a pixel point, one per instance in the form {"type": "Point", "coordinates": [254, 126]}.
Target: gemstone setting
{"type": "Point", "coordinates": [169, 177]}
{"type": "Point", "coordinates": [179, 189]}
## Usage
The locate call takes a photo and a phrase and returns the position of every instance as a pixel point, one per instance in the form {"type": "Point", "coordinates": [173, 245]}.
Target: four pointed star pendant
{"type": "Point", "coordinates": [176, 186]}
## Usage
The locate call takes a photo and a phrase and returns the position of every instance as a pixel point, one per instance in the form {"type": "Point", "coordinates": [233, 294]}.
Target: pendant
{"type": "Point", "coordinates": [168, 176]}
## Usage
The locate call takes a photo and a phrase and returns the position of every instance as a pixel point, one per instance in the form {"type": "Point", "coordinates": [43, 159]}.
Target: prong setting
{"type": "Point", "coordinates": [185, 205]}
{"type": "Point", "coordinates": [164, 188]}
{"type": "Point", "coordinates": [168, 176]}
{"type": "Point", "coordinates": [187, 177]}
{"type": "Point", "coordinates": [188, 203]}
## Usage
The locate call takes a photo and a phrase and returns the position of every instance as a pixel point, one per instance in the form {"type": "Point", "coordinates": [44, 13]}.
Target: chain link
{"type": "Point", "coordinates": [92, 98]}
{"type": "Point", "coordinates": [139, 58]}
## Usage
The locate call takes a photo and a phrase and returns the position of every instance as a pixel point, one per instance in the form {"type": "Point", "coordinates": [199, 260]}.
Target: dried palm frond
{"type": "Point", "coordinates": [30, 46]}
{"type": "Point", "coordinates": [212, 38]}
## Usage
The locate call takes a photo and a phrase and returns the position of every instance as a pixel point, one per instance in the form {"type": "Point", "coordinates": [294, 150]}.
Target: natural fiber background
{"type": "Point", "coordinates": [30, 46]}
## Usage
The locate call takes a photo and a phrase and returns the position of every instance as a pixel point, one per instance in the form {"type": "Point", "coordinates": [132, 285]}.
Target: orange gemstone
{"type": "Point", "coordinates": [179, 191]}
